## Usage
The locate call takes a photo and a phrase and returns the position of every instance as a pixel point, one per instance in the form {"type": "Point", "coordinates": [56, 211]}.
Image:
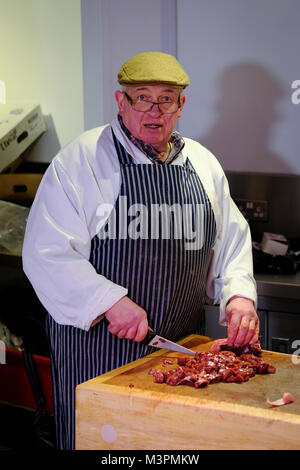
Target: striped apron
{"type": "Point", "coordinates": [146, 251]}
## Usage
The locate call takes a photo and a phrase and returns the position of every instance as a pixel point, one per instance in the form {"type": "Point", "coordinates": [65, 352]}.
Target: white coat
{"type": "Point", "coordinates": [68, 212]}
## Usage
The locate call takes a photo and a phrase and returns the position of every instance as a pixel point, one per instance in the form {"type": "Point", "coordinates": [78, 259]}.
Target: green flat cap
{"type": "Point", "coordinates": [153, 67]}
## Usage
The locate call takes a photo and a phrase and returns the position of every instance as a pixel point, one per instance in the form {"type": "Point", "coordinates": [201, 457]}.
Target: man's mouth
{"type": "Point", "coordinates": [152, 126]}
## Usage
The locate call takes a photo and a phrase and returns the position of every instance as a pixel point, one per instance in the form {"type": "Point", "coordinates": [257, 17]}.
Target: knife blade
{"type": "Point", "coordinates": [152, 339]}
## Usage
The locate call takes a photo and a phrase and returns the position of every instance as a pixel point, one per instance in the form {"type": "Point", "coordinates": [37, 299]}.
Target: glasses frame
{"type": "Point", "coordinates": [131, 102]}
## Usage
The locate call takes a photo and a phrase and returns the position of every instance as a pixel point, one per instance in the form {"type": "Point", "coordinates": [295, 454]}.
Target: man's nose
{"type": "Point", "coordinates": [155, 111]}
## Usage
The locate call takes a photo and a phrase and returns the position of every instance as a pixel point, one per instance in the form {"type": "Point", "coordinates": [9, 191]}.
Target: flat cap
{"type": "Point", "coordinates": [153, 67]}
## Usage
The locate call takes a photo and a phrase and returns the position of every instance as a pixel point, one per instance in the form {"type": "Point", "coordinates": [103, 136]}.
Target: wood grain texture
{"type": "Point", "coordinates": [125, 409]}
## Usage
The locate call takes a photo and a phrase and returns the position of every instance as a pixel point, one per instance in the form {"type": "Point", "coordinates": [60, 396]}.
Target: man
{"type": "Point", "coordinates": [132, 228]}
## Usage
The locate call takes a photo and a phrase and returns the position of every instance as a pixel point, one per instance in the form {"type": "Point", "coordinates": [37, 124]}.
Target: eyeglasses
{"type": "Point", "coordinates": [144, 105]}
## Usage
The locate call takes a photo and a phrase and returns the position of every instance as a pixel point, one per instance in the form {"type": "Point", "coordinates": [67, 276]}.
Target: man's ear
{"type": "Point", "coordinates": [182, 101]}
{"type": "Point", "coordinates": [119, 96]}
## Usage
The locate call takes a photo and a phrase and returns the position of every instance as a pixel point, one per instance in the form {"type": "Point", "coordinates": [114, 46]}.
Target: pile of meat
{"type": "Point", "coordinates": [219, 364]}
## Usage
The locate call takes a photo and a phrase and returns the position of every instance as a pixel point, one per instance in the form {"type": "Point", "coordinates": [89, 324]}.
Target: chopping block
{"type": "Point", "coordinates": [125, 409]}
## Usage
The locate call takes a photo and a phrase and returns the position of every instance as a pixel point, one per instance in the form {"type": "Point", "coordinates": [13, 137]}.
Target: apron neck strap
{"type": "Point", "coordinates": [124, 157]}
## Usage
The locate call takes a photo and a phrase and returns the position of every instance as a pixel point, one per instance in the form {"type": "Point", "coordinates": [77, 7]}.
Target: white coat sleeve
{"type": "Point", "coordinates": [56, 252]}
{"type": "Point", "coordinates": [231, 267]}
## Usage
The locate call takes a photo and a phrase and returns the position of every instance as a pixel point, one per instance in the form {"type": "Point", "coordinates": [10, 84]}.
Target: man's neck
{"type": "Point", "coordinates": [172, 149]}
{"type": "Point", "coordinates": [165, 153]}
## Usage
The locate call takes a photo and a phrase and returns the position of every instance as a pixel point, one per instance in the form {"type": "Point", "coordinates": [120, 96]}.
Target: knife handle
{"type": "Point", "coordinates": [149, 336]}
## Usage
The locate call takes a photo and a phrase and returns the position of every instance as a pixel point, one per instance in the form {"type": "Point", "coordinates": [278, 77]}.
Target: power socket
{"type": "Point", "coordinates": [252, 210]}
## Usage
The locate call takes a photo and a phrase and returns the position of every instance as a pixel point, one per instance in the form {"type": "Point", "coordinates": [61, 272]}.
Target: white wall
{"type": "Point", "coordinates": [41, 61]}
{"type": "Point", "coordinates": [128, 28]}
{"type": "Point", "coordinates": [92, 63]}
{"type": "Point", "coordinates": [242, 57]}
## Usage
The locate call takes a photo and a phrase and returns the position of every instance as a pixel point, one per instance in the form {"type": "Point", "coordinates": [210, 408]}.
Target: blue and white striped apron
{"type": "Point", "coordinates": [163, 274]}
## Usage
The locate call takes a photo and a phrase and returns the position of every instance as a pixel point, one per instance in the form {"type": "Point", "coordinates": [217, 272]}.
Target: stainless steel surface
{"type": "Point", "coordinates": [286, 286]}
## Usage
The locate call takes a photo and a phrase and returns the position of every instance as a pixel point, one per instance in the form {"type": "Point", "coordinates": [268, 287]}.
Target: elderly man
{"type": "Point", "coordinates": [133, 228]}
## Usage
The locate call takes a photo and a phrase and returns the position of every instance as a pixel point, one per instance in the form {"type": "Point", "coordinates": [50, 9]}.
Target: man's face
{"type": "Point", "coordinates": [152, 127]}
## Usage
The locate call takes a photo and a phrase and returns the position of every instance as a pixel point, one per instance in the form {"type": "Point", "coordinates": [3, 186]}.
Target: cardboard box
{"type": "Point", "coordinates": [19, 186]}
{"type": "Point", "coordinates": [274, 244]}
{"type": "Point", "coordinates": [20, 126]}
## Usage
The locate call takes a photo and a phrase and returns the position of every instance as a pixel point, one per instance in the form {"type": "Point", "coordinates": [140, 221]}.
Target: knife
{"type": "Point", "coordinates": [152, 339]}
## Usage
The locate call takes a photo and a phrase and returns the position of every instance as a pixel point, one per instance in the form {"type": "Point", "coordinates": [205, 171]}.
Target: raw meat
{"type": "Point", "coordinates": [216, 365]}
{"type": "Point", "coordinates": [222, 345]}
{"type": "Point", "coordinates": [286, 398]}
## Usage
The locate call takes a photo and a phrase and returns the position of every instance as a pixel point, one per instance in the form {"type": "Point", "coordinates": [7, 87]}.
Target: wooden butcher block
{"type": "Point", "coordinates": [126, 409]}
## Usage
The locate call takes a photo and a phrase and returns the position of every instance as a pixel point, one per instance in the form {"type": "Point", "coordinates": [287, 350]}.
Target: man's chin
{"type": "Point", "coordinates": [155, 141]}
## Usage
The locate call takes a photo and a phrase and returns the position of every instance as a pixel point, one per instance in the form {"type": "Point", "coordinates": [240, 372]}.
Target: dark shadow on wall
{"type": "Point", "coordinates": [247, 113]}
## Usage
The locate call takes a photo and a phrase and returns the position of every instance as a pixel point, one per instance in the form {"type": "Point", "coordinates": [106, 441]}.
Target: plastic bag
{"type": "Point", "coordinates": [9, 339]}
{"type": "Point", "coordinates": [12, 226]}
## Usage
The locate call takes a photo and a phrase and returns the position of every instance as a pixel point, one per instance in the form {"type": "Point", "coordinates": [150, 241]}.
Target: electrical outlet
{"type": "Point", "coordinates": [252, 210]}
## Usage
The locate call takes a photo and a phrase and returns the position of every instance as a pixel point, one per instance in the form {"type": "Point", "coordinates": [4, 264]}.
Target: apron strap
{"type": "Point", "coordinates": [124, 157]}
{"type": "Point", "coordinates": [189, 165]}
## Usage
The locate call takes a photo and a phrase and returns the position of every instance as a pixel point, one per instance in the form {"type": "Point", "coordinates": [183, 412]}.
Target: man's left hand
{"type": "Point", "coordinates": [242, 321]}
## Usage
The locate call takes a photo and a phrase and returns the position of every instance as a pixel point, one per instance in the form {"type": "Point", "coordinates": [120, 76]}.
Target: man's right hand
{"type": "Point", "coordinates": [127, 320]}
